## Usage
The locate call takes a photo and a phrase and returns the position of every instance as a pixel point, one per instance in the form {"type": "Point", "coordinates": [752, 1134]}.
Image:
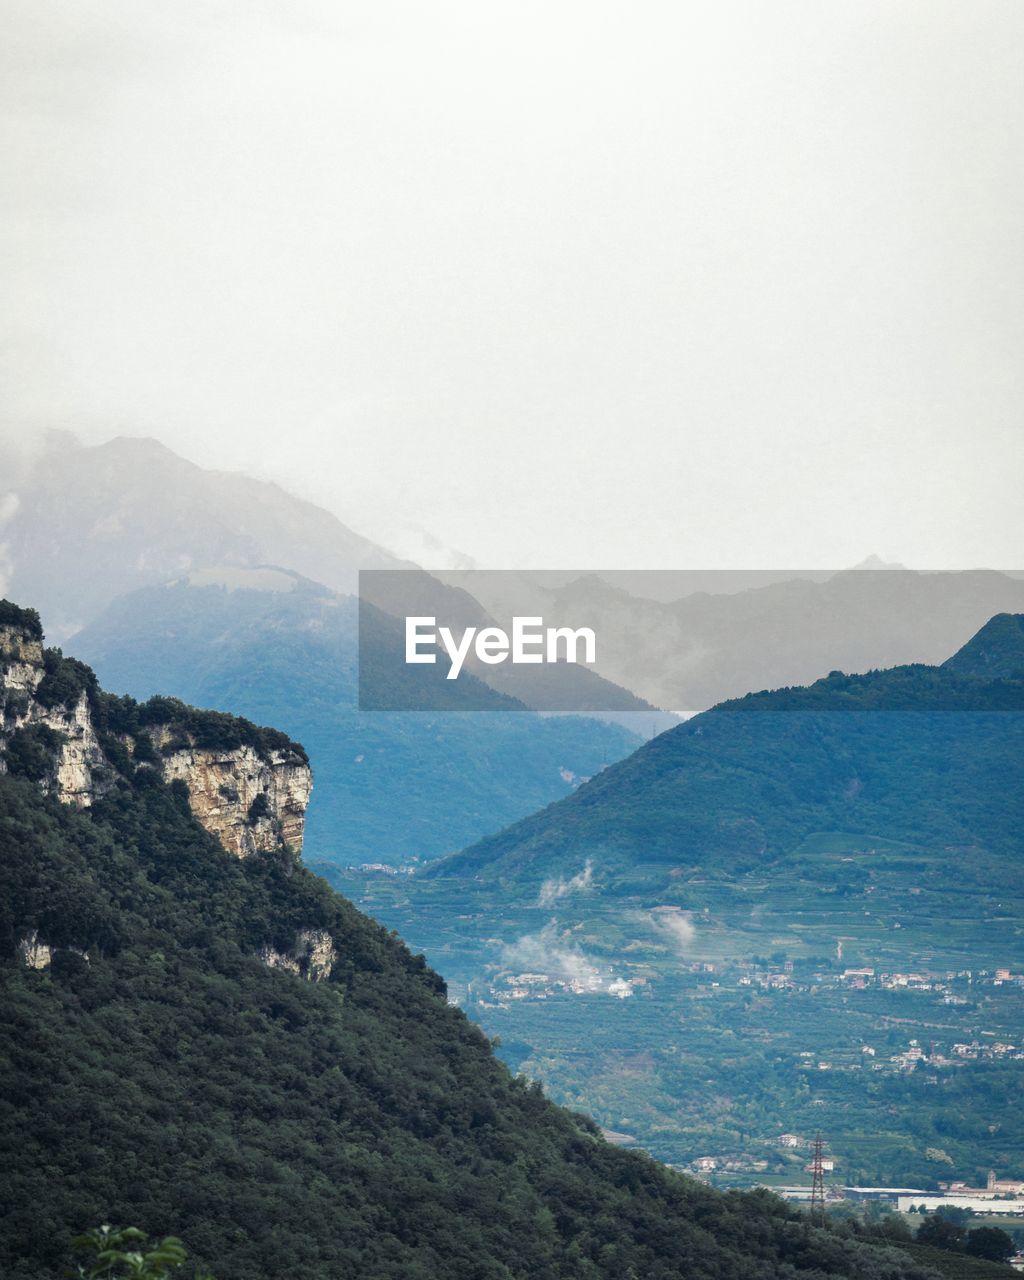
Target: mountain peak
{"type": "Point", "coordinates": [876, 562]}
{"type": "Point", "coordinates": [997, 650]}
{"type": "Point", "coordinates": [92, 522]}
{"type": "Point", "coordinates": [139, 445]}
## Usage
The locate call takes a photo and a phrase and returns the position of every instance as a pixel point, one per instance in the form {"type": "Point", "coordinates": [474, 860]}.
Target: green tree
{"type": "Point", "coordinates": [118, 1251]}
{"type": "Point", "coordinates": [941, 1232]}
{"type": "Point", "coordinates": [989, 1242]}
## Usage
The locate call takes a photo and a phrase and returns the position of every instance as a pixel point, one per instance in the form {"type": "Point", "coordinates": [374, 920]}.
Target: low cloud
{"type": "Point", "coordinates": [552, 890]}
{"type": "Point", "coordinates": [546, 952]}
{"type": "Point", "coordinates": [674, 926]}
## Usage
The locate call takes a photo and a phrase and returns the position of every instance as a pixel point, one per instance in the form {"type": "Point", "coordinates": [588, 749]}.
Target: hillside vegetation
{"type": "Point", "coordinates": [158, 1069]}
{"type": "Point", "coordinates": [913, 754]}
{"type": "Point", "coordinates": [996, 650]}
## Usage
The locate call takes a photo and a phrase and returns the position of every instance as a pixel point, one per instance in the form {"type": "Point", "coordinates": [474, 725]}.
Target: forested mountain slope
{"type": "Point", "coordinates": [997, 649]}
{"type": "Point", "coordinates": [915, 754]}
{"type": "Point", "coordinates": [217, 1045]}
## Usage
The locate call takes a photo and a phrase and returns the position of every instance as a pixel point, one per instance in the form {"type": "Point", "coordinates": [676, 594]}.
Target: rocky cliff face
{"type": "Point", "coordinates": [248, 787]}
{"type": "Point", "coordinates": [21, 652]}
{"type": "Point", "coordinates": [80, 770]}
{"type": "Point", "coordinates": [251, 803]}
{"type": "Point", "coordinates": [311, 956]}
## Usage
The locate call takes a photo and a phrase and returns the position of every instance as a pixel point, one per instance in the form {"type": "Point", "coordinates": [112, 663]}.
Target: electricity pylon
{"type": "Point", "coordinates": [818, 1183]}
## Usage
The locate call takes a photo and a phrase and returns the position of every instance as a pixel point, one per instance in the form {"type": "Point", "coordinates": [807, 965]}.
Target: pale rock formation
{"type": "Point", "coordinates": [251, 798]}
{"type": "Point", "coordinates": [36, 954]}
{"type": "Point", "coordinates": [39, 955]}
{"type": "Point", "coordinates": [22, 656]}
{"type": "Point", "coordinates": [224, 786]}
{"type": "Point", "coordinates": [311, 956]}
{"type": "Point", "coordinates": [82, 770]}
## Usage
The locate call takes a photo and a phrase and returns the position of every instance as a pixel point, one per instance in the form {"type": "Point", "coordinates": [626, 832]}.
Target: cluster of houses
{"type": "Point", "coordinates": [995, 1186]}
{"type": "Point", "coordinates": [780, 978]}
{"type": "Point", "coordinates": [729, 1164]}
{"type": "Point", "coordinates": [707, 1165]}
{"type": "Point", "coordinates": [860, 979]}
{"type": "Point", "coordinates": [997, 1049]}
{"type": "Point", "coordinates": [772, 980]}
{"type": "Point", "coordinates": [913, 1056]}
{"type": "Point", "coordinates": [768, 978]}
{"type": "Point", "coordinates": [542, 986]}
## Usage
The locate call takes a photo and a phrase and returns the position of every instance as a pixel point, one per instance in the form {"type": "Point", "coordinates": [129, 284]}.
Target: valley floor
{"type": "Point", "coordinates": [714, 1029]}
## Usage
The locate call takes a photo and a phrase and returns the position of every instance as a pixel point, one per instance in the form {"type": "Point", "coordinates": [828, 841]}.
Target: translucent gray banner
{"type": "Point", "coordinates": [661, 645]}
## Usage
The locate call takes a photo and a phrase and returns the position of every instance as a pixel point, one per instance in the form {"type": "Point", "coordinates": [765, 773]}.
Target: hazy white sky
{"type": "Point", "coordinates": [569, 284]}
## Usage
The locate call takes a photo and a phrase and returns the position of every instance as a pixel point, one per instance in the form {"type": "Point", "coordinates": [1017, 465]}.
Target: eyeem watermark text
{"type": "Point", "coordinates": [529, 642]}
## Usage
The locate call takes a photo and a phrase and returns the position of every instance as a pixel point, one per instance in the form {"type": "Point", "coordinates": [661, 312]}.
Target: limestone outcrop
{"type": "Point", "coordinates": [311, 956]}
{"type": "Point", "coordinates": [247, 786]}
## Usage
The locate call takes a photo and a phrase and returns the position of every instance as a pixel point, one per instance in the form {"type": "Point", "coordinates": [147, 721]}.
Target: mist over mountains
{"type": "Point", "coordinates": [87, 528]}
{"type": "Point", "coordinates": [716, 642]}
{"type": "Point", "coordinates": [874, 805]}
{"type": "Point", "coordinates": [88, 523]}
{"type": "Point", "coordinates": [372, 912]}
{"type": "Point", "coordinates": [80, 525]}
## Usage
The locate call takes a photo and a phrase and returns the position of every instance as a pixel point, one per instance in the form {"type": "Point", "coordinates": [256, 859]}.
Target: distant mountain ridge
{"type": "Point", "coordinates": [914, 753]}
{"type": "Point", "coordinates": [283, 650]}
{"type": "Point", "coordinates": [82, 525]}
{"type": "Point", "coordinates": [92, 522]}
{"type": "Point", "coordinates": [996, 651]}
{"type": "Point", "coordinates": [690, 653]}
